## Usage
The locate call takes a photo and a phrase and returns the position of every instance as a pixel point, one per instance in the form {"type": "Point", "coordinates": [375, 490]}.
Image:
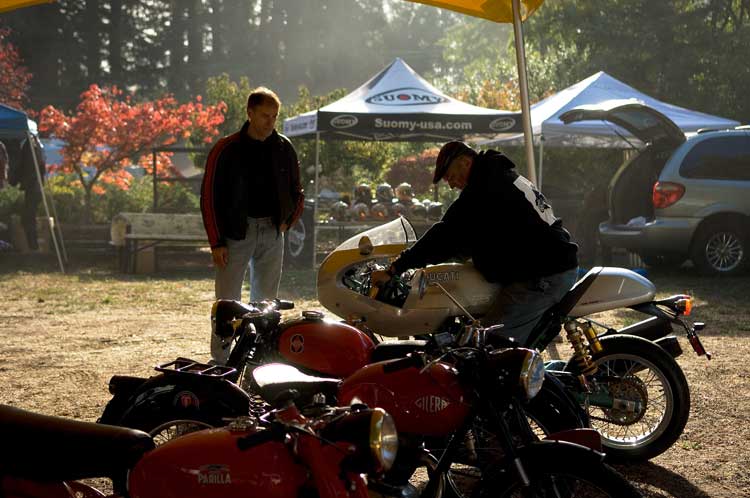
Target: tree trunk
{"type": "Point", "coordinates": [92, 35]}
{"type": "Point", "coordinates": [115, 41]}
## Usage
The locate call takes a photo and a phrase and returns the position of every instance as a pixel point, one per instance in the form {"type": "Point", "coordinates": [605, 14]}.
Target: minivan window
{"type": "Point", "coordinates": [719, 158]}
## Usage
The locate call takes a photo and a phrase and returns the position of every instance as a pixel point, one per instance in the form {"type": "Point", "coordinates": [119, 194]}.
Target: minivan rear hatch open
{"type": "Point", "coordinates": [632, 185]}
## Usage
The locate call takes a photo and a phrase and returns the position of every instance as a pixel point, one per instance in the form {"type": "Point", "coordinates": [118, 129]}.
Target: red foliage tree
{"type": "Point", "coordinates": [107, 132]}
{"type": "Point", "coordinates": [416, 170]}
{"type": "Point", "coordinates": [14, 77]}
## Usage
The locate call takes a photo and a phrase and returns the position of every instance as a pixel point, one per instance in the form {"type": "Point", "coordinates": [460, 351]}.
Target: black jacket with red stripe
{"type": "Point", "coordinates": [225, 193]}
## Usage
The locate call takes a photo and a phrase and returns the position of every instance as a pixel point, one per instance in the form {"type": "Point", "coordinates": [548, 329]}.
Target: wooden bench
{"type": "Point", "coordinates": [137, 235]}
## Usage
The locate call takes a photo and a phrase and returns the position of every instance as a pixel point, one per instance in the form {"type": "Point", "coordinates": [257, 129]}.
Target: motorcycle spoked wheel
{"type": "Point", "coordinates": [565, 475]}
{"type": "Point", "coordinates": [637, 370]}
{"type": "Point", "coordinates": [551, 410]}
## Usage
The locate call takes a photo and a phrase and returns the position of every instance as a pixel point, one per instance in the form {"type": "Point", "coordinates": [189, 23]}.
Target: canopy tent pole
{"type": "Point", "coordinates": [44, 201]}
{"type": "Point", "coordinates": [541, 160]}
{"type": "Point", "coordinates": [524, 88]}
{"type": "Point", "coordinates": [315, 206]}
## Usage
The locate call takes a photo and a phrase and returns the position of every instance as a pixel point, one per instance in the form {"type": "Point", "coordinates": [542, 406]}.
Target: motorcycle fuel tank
{"type": "Point", "coordinates": [330, 348]}
{"type": "Point", "coordinates": [210, 464]}
{"type": "Point", "coordinates": [430, 402]}
{"type": "Point", "coordinates": [613, 288]}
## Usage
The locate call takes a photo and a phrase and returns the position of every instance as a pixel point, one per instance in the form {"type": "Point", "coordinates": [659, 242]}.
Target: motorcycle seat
{"type": "Point", "coordinates": [274, 378]}
{"type": "Point", "coordinates": [46, 448]}
{"type": "Point", "coordinates": [396, 349]}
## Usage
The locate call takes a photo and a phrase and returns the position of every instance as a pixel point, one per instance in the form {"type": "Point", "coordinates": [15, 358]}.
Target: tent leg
{"type": "Point", "coordinates": [541, 160]}
{"type": "Point", "coordinates": [44, 201]}
{"type": "Point", "coordinates": [524, 87]}
{"type": "Point", "coordinates": [315, 206]}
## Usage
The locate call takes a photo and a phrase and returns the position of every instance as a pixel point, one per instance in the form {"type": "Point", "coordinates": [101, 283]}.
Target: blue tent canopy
{"type": "Point", "coordinates": [15, 123]}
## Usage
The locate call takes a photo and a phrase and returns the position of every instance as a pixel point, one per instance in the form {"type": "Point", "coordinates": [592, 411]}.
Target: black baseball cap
{"type": "Point", "coordinates": [447, 154]}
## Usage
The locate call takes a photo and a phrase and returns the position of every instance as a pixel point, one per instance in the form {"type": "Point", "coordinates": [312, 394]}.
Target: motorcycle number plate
{"type": "Point", "coordinates": [695, 341]}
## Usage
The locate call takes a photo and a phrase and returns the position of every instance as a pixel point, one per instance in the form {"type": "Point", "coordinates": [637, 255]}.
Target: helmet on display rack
{"type": "Point", "coordinates": [399, 209]}
{"type": "Point", "coordinates": [404, 193]}
{"type": "Point", "coordinates": [384, 193]}
{"type": "Point", "coordinates": [363, 194]}
{"type": "Point", "coordinates": [379, 211]}
{"type": "Point", "coordinates": [339, 211]}
{"type": "Point", "coordinates": [435, 210]}
{"type": "Point", "coordinates": [418, 210]}
{"type": "Point", "coordinates": [360, 211]}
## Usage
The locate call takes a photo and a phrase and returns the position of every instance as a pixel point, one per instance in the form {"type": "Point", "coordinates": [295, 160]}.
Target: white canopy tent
{"type": "Point", "coordinates": [549, 130]}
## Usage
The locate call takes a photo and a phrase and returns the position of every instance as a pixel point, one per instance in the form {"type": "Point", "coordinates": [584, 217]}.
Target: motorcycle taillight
{"type": "Point", "coordinates": [666, 193]}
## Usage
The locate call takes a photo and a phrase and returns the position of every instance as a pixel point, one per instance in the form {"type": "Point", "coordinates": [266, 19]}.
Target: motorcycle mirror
{"type": "Point", "coordinates": [365, 246]}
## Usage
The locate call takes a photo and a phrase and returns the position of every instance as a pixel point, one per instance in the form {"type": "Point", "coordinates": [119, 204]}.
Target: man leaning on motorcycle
{"type": "Point", "coordinates": [506, 226]}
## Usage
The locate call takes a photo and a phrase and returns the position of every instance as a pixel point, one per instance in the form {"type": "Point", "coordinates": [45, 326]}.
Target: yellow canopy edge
{"type": "Point", "coordinates": [7, 5]}
{"type": "Point", "coordinates": [494, 10]}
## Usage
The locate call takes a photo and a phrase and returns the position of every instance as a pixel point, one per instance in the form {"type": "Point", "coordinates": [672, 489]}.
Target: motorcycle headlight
{"type": "Point", "coordinates": [383, 438]}
{"type": "Point", "coordinates": [532, 374]}
{"type": "Point", "coordinates": [372, 433]}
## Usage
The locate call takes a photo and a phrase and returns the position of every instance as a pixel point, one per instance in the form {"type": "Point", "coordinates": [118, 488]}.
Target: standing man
{"type": "Point", "coordinates": [23, 174]}
{"type": "Point", "coordinates": [250, 196]}
{"type": "Point", "coordinates": [508, 229]}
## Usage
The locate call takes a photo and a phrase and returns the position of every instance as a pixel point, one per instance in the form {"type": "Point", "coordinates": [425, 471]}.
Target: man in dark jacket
{"type": "Point", "coordinates": [29, 159]}
{"type": "Point", "coordinates": [251, 194]}
{"type": "Point", "coordinates": [508, 229]}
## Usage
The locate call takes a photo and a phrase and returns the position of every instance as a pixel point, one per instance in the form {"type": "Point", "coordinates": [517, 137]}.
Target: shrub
{"type": "Point", "coordinates": [69, 199]}
{"type": "Point", "coordinates": [11, 202]}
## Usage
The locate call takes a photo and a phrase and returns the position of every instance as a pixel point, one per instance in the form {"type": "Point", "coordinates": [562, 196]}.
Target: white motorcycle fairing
{"type": "Point", "coordinates": [612, 288]}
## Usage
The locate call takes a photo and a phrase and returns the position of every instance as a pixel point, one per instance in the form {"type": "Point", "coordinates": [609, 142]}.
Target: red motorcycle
{"type": "Point", "coordinates": [284, 455]}
{"type": "Point", "coordinates": [462, 408]}
{"type": "Point", "coordinates": [200, 395]}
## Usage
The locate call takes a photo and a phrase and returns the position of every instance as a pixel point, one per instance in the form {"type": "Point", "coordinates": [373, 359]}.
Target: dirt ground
{"type": "Point", "coordinates": [63, 336]}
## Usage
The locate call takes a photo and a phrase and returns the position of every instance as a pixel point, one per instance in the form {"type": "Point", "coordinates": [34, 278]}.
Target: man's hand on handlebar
{"type": "Point", "coordinates": [380, 277]}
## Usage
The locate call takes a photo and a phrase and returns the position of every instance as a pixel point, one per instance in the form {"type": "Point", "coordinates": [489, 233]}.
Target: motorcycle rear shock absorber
{"type": "Point", "coordinates": [580, 352]}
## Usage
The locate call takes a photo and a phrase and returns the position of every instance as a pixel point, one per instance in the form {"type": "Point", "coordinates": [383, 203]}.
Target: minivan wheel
{"type": "Point", "coordinates": [720, 249]}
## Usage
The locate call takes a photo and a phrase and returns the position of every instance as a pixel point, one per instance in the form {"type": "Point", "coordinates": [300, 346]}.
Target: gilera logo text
{"type": "Point", "coordinates": [431, 403]}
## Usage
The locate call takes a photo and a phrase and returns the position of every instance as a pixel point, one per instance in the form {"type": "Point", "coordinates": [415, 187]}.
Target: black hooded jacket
{"type": "Point", "coordinates": [502, 222]}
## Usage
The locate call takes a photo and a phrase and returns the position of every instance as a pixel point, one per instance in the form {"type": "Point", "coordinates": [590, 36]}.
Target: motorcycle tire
{"type": "Point", "coordinates": [560, 469]}
{"type": "Point", "coordinates": [552, 410]}
{"type": "Point", "coordinates": [630, 366]}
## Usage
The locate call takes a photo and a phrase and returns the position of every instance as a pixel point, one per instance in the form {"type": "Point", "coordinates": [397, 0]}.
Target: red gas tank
{"type": "Point", "coordinates": [327, 347]}
{"type": "Point", "coordinates": [210, 464]}
{"type": "Point", "coordinates": [431, 403]}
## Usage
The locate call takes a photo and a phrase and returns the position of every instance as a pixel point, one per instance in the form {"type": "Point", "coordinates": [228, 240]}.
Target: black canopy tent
{"type": "Point", "coordinates": [398, 105]}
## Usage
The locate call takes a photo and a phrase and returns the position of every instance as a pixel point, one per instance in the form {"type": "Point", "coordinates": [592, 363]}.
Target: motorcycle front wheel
{"type": "Point", "coordinates": [562, 473]}
{"type": "Point", "coordinates": [650, 394]}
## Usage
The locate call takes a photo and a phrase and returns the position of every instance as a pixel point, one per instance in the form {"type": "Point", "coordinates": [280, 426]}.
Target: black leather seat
{"type": "Point", "coordinates": [396, 349]}
{"type": "Point", "coordinates": [47, 448]}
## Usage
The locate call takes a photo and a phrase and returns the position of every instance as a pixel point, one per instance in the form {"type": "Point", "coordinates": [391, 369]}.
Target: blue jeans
{"type": "Point", "coordinates": [520, 305]}
{"type": "Point", "coordinates": [262, 251]}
